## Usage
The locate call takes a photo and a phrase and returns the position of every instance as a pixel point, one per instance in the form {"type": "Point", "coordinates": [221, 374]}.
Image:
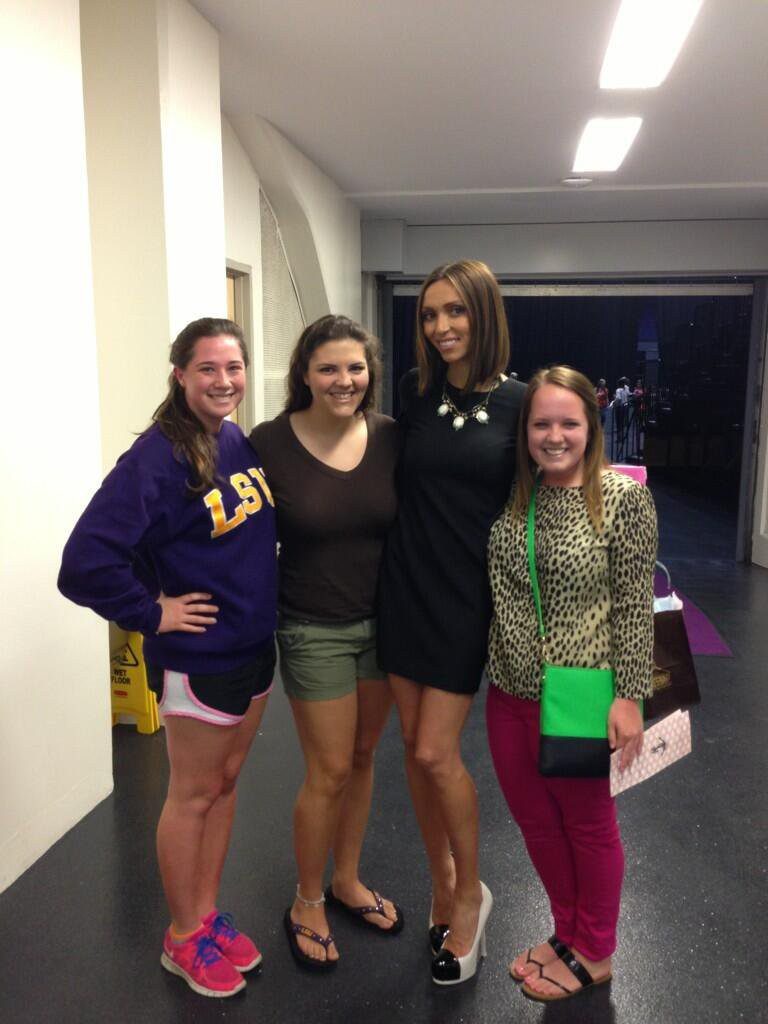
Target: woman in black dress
{"type": "Point", "coordinates": [460, 421]}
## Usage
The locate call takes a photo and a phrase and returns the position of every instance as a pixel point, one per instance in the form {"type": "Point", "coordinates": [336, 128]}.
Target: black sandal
{"type": "Point", "coordinates": [304, 959]}
{"type": "Point", "coordinates": [358, 913]}
{"type": "Point", "coordinates": [560, 949]}
{"type": "Point", "coordinates": [580, 973]}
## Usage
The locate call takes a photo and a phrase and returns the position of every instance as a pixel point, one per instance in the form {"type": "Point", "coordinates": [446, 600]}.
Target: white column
{"type": "Point", "coordinates": [55, 749]}
{"type": "Point", "coordinates": [151, 82]}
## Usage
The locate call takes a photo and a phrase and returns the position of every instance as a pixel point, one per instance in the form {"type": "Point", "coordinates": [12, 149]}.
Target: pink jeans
{"type": "Point", "coordinates": [569, 827]}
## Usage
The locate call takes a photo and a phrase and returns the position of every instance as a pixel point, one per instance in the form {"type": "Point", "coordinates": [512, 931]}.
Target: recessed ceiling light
{"type": "Point", "coordinates": [604, 143]}
{"type": "Point", "coordinates": [646, 39]}
{"type": "Point", "coordinates": [576, 181]}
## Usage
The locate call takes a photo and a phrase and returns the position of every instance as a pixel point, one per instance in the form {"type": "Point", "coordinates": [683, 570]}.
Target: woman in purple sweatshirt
{"type": "Point", "coordinates": [179, 544]}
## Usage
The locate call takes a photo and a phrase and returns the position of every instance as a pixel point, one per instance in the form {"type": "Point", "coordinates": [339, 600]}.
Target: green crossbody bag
{"type": "Point", "coordinates": [574, 701]}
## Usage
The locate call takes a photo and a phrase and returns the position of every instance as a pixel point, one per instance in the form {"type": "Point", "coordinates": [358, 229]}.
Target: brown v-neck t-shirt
{"type": "Point", "coordinates": [331, 523]}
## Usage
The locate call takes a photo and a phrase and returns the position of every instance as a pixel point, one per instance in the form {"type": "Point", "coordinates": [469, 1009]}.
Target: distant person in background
{"type": "Point", "coordinates": [603, 399]}
{"type": "Point", "coordinates": [619, 405]}
{"type": "Point", "coordinates": [638, 398]}
{"type": "Point", "coordinates": [622, 394]}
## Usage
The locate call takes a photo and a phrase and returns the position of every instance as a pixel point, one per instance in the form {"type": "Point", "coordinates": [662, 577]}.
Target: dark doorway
{"type": "Point", "coordinates": [685, 360]}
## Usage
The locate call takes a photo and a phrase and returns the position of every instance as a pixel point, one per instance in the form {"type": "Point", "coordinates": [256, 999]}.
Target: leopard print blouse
{"type": "Point", "coordinates": [596, 591]}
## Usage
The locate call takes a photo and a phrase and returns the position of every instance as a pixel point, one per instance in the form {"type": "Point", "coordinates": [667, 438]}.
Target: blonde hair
{"type": "Point", "coordinates": [594, 456]}
{"type": "Point", "coordinates": [489, 333]}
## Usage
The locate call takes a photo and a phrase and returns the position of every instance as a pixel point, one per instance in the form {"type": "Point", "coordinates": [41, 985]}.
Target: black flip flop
{"type": "Point", "coordinates": [304, 959]}
{"type": "Point", "coordinates": [580, 973]}
{"type": "Point", "coordinates": [358, 913]}
{"type": "Point", "coordinates": [560, 949]}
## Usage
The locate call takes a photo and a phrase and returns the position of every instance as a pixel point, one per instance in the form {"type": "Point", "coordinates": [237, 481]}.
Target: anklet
{"type": "Point", "coordinates": [309, 903]}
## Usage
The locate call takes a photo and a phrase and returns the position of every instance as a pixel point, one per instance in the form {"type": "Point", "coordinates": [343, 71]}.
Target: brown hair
{"type": "Point", "coordinates": [174, 417]}
{"type": "Point", "coordinates": [330, 328]}
{"type": "Point", "coordinates": [594, 456]}
{"type": "Point", "coordinates": [489, 334]}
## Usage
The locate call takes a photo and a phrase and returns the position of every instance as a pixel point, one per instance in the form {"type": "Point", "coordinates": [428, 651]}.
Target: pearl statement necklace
{"type": "Point", "coordinates": [478, 412]}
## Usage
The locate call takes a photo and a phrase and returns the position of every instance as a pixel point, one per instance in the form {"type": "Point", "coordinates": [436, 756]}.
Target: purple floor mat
{"type": "Point", "coordinates": [702, 635]}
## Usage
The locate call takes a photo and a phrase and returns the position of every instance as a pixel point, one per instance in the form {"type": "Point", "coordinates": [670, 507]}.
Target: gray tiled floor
{"type": "Point", "coordinates": [82, 927]}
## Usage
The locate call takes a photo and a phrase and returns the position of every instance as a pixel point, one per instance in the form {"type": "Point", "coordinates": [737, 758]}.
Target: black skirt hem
{"type": "Point", "coordinates": [446, 685]}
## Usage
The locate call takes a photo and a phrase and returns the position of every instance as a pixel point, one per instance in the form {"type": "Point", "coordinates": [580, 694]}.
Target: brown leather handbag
{"type": "Point", "coordinates": [675, 685]}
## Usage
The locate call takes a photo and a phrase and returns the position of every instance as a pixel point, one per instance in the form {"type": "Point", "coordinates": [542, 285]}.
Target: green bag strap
{"type": "Point", "coordinates": [531, 538]}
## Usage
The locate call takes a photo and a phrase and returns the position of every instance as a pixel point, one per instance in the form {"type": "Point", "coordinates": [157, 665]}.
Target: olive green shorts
{"type": "Point", "coordinates": [322, 661]}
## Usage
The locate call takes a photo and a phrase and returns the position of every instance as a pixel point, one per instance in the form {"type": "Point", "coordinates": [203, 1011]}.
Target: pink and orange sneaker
{"type": "Point", "coordinates": [200, 963]}
{"type": "Point", "coordinates": [236, 947]}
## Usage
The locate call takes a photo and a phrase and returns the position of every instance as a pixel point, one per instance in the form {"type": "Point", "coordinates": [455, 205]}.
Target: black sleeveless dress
{"type": "Point", "coordinates": [434, 596]}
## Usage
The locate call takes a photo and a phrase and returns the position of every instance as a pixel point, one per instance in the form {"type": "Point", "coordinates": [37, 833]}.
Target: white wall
{"type": "Point", "coordinates": [242, 223]}
{"type": "Point", "coordinates": [554, 250]}
{"type": "Point", "coordinates": [121, 89]}
{"type": "Point", "coordinates": [151, 87]}
{"type": "Point", "coordinates": [383, 246]}
{"type": "Point", "coordinates": [335, 224]}
{"type": "Point", "coordinates": [55, 750]}
{"type": "Point", "coordinates": [193, 191]}
{"type": "Point", "coordinates": [319, 226]}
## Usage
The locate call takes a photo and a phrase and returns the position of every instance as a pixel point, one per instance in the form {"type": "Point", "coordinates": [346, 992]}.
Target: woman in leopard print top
{"type": "Point", "coordinates": [596, 587]}
{"type": "Point", "coordinates": [596, 540]}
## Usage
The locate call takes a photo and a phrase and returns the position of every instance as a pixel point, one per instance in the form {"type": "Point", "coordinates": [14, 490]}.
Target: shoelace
{"type": "Point", "coordinates": [224, 924]}
{"type": "Point", "coordinates": [207, 951]}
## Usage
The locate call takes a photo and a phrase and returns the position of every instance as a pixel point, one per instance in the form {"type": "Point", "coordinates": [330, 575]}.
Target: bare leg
{"type": "Point", "coordinates": [441, 718]}
{"type": "Point", "coordinates": [408, 696]}
{"type": "Point", "coordinates": [374, 701]}
{"type": "Point", "coordinates": [218, 823]}
{"type": "Point", "coordinates": [197, 753]}
{"type": "Point", "coordinates": [326, 731]}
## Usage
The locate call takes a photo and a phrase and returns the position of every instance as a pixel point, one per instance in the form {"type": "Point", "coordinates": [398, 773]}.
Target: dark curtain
{"type": "Point", "coordinates": [403, 357]}
{"type": "Point", "coordinates": [596, 336]}
{"type": "Point", "coordinates": [701, 342]}
{"type": "Point", "coordinates": [690, 352]}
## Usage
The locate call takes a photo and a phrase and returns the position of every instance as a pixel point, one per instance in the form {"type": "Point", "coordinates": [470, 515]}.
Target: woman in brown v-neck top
{"type": "Point", "coordinates": [330, 461]}
{"type": "Point", "coordinates": [331, 522]}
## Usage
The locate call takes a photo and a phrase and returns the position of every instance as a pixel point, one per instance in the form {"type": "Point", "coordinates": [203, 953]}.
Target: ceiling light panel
{"type": "Point", "coordinates": [604, 143]}
{"type": "Point", "coordinates": [646, 39]}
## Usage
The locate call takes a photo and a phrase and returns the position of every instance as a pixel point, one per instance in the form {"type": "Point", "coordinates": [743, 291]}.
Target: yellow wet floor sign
{"type": "Point", "coordinates": [130, 693]}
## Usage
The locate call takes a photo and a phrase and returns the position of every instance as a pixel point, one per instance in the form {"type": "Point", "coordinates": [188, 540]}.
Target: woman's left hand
{"type": "Point", "coordinates": [625, 730]}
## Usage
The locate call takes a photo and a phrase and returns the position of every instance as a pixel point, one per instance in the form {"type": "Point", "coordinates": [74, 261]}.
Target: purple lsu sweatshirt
{"type": "Point", "coordinates": [145, 532]}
